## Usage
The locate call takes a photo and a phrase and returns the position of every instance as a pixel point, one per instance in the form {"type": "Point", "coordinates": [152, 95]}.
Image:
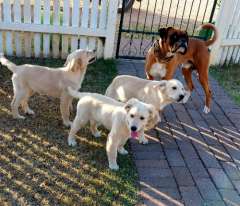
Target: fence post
{"type": "Point", "coordinates": [111, 28]}
{"type": "Point", "coordinates": [222, 24]}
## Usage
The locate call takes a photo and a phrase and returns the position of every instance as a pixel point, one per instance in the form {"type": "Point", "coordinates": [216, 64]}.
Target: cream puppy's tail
{"type": "Point", "coordinates": [5, 62]}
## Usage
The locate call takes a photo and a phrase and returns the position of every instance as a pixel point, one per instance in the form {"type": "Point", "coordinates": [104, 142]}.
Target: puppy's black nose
{"type": "Point", "coordinates": [180, 97]}
{"type": "Point", "coordinates": [133, 128]}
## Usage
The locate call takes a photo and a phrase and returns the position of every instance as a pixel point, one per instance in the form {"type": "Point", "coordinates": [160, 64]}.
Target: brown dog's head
{"type": "Point", "coordinates": [175, 40]}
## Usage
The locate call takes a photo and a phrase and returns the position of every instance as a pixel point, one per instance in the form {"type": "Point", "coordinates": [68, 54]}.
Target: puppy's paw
{"type": "Point", "coordinates": [143, 140]}
{"type": "Point", "coordinates": [67, 123]}
{"type": "Point", "coordinates": [30, 112]}
{"type": "Point", "coordinates": [72, 142]}
{"type": "Point", "coordinates": [97, 134]}
{"type": "Point", "coordinates": [206, 109]}
{"type": "Point", "coordinates": [18, 116]}
{"type": "Point", "coordinates": [113, 166]}
{"type": "Point", "coordinates": [186, 97]}
{"type": "Point", "coordinates": [122, 151]}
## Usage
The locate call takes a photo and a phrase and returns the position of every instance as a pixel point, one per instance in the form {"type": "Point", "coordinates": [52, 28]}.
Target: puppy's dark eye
{"type": "Point", "coordinates": [142, 118]}
{"type": "Point", "coordinates": [174, 88]}
{"type": "Point", "coordinates": [132, 116]}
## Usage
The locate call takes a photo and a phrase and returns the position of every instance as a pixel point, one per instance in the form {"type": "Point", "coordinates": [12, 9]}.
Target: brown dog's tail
{"type": "Point", "coordinates": [215, 33]}
{"type": "Point", "coordinates": [5, 62]}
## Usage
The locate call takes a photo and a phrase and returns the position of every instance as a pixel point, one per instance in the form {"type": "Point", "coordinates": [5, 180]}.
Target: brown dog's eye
{"type": "Point", "coordinates": [142, 118]}
{"type": "Point", "coordinates": [174, 88]}
{"type": "Point", "coordinates": [132, 116]}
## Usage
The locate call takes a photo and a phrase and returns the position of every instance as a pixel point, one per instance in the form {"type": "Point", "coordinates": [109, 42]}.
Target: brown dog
{"type": "Point", "coordinates": [173, 49]}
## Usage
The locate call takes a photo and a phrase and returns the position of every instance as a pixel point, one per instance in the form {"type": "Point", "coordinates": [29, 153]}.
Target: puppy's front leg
{"type": "Point", "coordinates": [111, 148]}
{"type": "Point", "coordinates": [142, 139]}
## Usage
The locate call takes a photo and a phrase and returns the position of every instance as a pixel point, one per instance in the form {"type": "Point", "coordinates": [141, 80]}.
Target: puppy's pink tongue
{"type": "Point", "coordinates": [134, 134]}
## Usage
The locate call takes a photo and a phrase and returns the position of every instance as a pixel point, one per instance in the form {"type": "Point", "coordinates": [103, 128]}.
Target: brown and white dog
{"type": "Point", "coordinates": [174, 48]}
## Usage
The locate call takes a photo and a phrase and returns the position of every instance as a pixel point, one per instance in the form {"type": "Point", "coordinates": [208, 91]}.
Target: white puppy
{"type": "Point", "coordinates": [158, 93]}
{"type": "Point", "coordinates": [29, 79]}
{"type": "Point", "coordinates": [123, 120]}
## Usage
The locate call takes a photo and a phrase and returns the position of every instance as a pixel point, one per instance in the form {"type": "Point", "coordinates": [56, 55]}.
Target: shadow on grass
{"type": "Point", "coordinates": [36, 164]}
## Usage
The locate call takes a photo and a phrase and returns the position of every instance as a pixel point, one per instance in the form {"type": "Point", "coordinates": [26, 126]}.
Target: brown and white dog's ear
{"type": "Point", "coordinates": [129, 104]}
{"type": "Point", "coordinates": [154, 118]}
{"type": "Point", "coordinates": [163, 32]}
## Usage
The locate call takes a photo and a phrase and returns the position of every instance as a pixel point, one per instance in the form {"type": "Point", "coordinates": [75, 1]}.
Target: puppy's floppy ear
{"type": "Point", "coordinates": [75, 64]}
{"type": "Point", "coordinates": [161, 85]}
{"type": "Point", "coordinates": [129, 104]}
{"type": "Point", "coordinates": [154, 117]}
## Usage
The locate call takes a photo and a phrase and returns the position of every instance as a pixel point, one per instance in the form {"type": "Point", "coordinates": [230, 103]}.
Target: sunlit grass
{"type": "Point", "coordinates": [37, 167]}
{"type": "Point", "coordinates": [229, 78]}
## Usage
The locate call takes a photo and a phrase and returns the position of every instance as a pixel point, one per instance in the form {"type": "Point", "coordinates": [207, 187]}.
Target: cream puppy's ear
{"type": "Point", "coordinates": [129, 104]}
{"type": "Point", "coordinates": [75, 64]}
{"type": "Point", "coordinates": [153, 118]}
{"type": "Point", "coordinates": [161, 85]}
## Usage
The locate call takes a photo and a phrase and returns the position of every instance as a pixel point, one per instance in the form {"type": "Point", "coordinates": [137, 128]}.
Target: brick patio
{"type": "Point", "coordinates": [192, 159]}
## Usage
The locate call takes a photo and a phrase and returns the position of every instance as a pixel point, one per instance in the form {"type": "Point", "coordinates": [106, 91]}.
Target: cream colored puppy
{"type": "Point", "coordinates": [29, 79]}
{"type": "Point", "coordinates": [158, 93]}
{"type": "Point", "coordinates": [123, 120]}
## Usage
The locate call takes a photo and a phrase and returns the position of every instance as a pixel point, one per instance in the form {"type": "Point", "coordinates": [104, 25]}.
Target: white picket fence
{"type": "Point", "coordinates": [53, 28]}
{"type": "Point", "coordinates": [227, 48]}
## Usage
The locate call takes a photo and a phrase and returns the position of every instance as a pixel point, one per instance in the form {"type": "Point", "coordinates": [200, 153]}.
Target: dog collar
{"type": "Point", "coordinates": [158, 54]}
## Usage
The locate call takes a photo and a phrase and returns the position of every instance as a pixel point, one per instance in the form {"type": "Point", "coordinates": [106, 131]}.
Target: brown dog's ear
{"type": "Point", "coordinates": [163, 32]}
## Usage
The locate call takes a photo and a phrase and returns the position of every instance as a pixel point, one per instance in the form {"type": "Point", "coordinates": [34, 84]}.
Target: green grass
{"type": "Point", "coordinates": [37, 167]}
{"type": "Point", "coordinates": [229, 78]}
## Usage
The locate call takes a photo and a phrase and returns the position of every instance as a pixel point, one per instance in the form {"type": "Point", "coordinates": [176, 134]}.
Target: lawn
{"type": "Point", "coordinates": [229, 78]}
{"type": "Point", "coordinates": [37, 167]}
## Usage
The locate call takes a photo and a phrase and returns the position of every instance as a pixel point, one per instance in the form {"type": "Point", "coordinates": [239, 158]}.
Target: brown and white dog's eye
{"type": "Point", "coordinates": [142, 118]}
{"type": "Point", "coordinates": [132, 116]}
{"type": "Point", "coordinates": [174, 88]}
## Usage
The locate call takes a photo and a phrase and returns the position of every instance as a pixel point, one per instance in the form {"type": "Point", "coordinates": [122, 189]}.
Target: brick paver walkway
{"type": "Point", "coordinates": [192, 158]}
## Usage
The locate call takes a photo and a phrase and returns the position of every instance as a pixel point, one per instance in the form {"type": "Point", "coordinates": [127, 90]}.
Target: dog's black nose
{"type": "Point", "coordinates": [180, 97]}
{"type": "Point", "coordinates": [133, 128]}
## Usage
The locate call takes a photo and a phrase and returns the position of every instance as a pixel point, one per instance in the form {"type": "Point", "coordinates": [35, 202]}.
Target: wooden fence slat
{"type": "Point", "coordinates": [7, 19]}
{"type": "Point", "coordinates": [84, 23]}
{"type": "Point", "coordinates": [236, 36]}
{"type": "Point", "coordinates": [17, 19]}
{"type": "Point", "coordinates": [37, 20]}
{"type": "Point", "coordinates": [51, 29]}
{"type": "Point", "coordinates": [46, 21]}
{"type": "Point", "coordinates": [232, 31]}
{"type": "Point", "coordinates": [66, 10]}
{"type": "Point", "coordinates": [27, 35]}
{"type": "Point", "coordinates": [75, 23]}
{"type": "Point", "coordinates": [218, 51]}
{"type": "Point", "coordinates": [93, 23]}
{"type": "Point", "coordinates": [1, 34]}
{"type": "Point", "coordinates": [111, 29]}
{"type": "Point", "coordinates": [102, 25]}
{"type": "Point", "coordinates": [56, 21]}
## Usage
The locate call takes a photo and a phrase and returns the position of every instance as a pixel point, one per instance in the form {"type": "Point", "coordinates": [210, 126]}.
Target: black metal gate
{"type": "Point", "coordinates": [139, 26]}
